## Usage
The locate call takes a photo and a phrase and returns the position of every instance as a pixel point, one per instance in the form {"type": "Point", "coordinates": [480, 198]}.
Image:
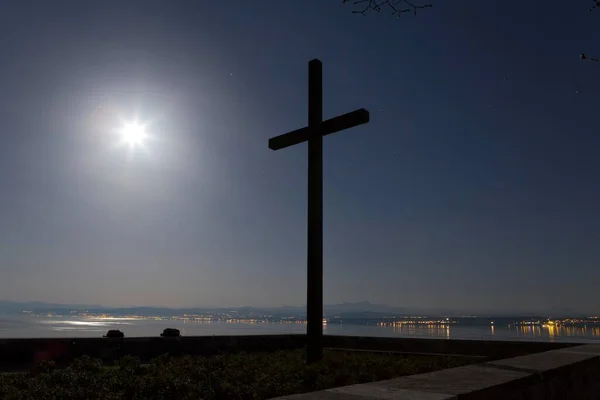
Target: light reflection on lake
{"type": "Point", "coordinates": [48, 327]}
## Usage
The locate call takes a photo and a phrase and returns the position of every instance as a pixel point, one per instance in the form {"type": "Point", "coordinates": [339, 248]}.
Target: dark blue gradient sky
{"type": "Point", "coordinates": [475, 185]}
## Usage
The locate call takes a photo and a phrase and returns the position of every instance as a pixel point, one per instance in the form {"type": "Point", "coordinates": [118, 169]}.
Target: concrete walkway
{"type": "Point", "coordinates": [571, 373]}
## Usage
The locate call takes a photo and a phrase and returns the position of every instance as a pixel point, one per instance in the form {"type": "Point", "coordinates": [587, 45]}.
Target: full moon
{"type": "Point", "coordinates": [133, 134]}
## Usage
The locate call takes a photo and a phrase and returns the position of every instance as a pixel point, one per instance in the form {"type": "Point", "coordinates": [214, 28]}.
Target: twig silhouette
{"type": "Point", "coordinates": [584, 57]}
{"type": "Point", "coordinates": [397, 7]}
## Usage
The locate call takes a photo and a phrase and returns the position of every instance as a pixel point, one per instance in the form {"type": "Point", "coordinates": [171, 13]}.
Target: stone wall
{"type": "Point", "coordinates": [491, 349]}
{"type": "Point", "coordinates": [20, 353]}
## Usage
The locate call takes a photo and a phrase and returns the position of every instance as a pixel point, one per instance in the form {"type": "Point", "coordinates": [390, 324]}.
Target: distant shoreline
{"type": "Point", "coordinates": [89, 325]}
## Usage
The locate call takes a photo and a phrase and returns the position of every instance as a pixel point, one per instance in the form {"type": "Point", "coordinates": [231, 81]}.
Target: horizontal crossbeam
{"type": "Point", "coordinates": [326, 127]}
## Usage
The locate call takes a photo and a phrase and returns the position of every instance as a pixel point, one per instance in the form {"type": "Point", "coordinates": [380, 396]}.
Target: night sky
{"type": "Point", "coordinates": [475, 185]}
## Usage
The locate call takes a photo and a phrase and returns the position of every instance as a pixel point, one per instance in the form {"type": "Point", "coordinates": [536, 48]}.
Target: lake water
{"type": "Point", "coordinates": [62, 327]}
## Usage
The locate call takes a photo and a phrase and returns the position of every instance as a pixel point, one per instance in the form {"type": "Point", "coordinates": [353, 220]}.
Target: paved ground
{"type": "Point", "coordinates": [535, 372]}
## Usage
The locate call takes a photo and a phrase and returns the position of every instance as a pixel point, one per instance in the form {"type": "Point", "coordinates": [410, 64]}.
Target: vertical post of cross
{"type": "Point", "coordinates": [314, 312]}
{"type": "Point", "coordinates": [313, 134]}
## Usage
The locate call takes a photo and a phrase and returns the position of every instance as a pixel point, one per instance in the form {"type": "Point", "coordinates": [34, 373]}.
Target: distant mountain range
{"type": "Point", "coordinates": [363, 309]}
{"type": "Point", "coordinates": [40, 305]}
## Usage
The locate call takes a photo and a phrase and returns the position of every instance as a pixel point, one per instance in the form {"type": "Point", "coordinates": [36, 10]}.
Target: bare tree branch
{"type": "Point", "coordinates": [584, 57]}
{"type": "Point", "coordinates": [399, 7]}
{"type": "Point", "coordinates": [396, 7]}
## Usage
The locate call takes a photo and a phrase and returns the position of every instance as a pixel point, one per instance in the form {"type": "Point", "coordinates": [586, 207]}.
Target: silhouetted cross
{"type": "Point", "coordinates": [313, 133]}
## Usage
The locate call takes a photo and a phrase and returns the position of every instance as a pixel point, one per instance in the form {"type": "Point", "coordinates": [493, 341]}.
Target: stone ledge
{"type": "Point", "coordinates": [542, 362]}
{"type": "Point", "coordinates": [557, 374]}
{"type": "Point", "coordinates": [16, 354]}
{"type": "Point", "coordinates": [587, 349]}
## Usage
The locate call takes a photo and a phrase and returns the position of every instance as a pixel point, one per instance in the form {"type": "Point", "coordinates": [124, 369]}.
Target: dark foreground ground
{"type": "Point", "coordinates": [231, 376]}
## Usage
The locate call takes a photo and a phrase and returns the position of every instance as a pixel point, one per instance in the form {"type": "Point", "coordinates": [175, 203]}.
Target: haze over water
{"type": "Point", "coordinates": [472, 328]}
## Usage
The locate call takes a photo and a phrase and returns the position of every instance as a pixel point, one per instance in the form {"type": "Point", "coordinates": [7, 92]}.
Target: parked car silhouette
{"type": "Point", "coordinates": [114, 333]}
{"type": "Point", "coordinates": [171, 333]}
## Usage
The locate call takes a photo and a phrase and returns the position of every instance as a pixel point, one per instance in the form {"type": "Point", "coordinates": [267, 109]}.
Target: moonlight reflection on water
{"type": "Point", "coordinates": [70, 327]}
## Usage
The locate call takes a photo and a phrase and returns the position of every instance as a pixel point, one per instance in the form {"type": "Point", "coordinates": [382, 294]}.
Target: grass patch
{"type": "Point", "coordinates": [232, 377]}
